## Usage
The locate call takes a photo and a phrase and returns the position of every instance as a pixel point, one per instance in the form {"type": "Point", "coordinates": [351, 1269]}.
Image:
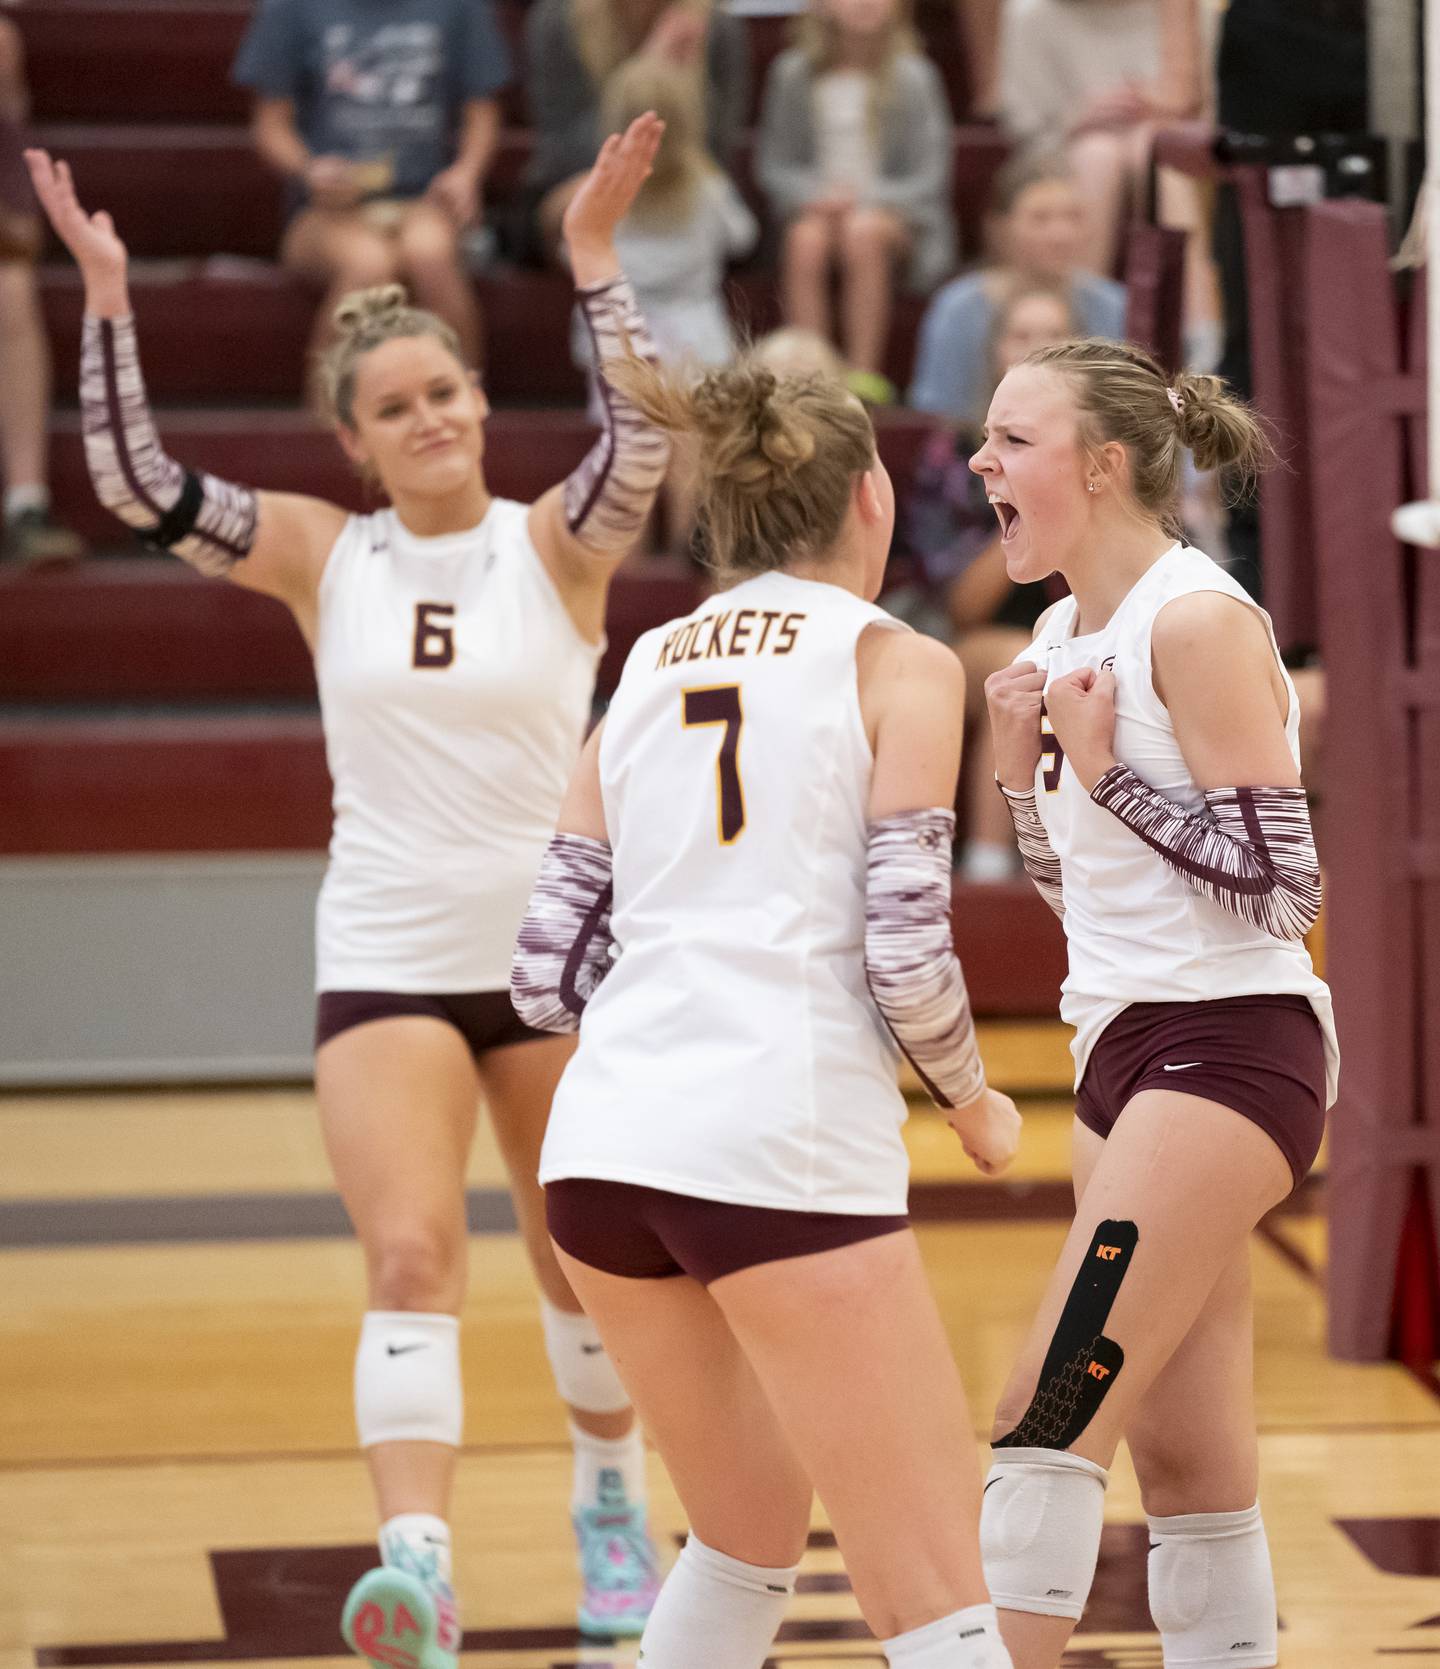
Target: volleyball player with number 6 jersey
{"type": "Point", "coordinates": [746, 908]}
{"type": "Point", "coordinates": [456, 637]}
{"type": "Point", "coordinates": [1147, 744]}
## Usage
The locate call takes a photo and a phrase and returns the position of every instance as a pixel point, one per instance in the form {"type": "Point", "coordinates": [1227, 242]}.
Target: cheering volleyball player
{"type": "Point", "coordinates": [456, 637]}
{"type": "Point", "coordinates": [749, 891]}
{"type": "Point", "coordinates": [1147, 745]}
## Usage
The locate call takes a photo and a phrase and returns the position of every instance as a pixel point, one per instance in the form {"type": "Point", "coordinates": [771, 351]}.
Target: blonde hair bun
{"type": "Point", "coordinates": [360, 309]}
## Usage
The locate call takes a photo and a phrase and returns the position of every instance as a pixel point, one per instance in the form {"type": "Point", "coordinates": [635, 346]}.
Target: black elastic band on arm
{"type": "Point", "coordinates": [179, 519]}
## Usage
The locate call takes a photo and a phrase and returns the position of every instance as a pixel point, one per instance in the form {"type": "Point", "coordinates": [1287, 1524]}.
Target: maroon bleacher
{"type": "Point", "coordinates": [148, 629]}
{"type": "Point", "coordinates": [286, 451]}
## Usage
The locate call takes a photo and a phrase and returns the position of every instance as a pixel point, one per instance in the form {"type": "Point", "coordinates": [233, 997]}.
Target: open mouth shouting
{"type": "Point", "coordinates": [1008, 514]}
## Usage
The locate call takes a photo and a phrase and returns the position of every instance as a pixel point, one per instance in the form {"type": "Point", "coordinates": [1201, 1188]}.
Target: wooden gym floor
{"type": "Point", "coordinates": [178, 1483]}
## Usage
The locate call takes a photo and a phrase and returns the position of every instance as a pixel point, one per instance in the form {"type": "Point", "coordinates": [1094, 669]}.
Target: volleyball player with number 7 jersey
{"type": "Point", "coordinates": [746, 908]}
{"type": "Point", "coordinates": [1147, 744]}
{"type": "Point", "coordinates": [456, 637]}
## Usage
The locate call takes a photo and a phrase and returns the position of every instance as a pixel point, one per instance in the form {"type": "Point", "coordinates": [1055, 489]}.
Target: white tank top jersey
{"type": "Point", "coordinates": [1137, 932]}
{"type": "Point", "coordinates": [733, 1051]}
{"type": "Point", "coordinates": [455, 690]}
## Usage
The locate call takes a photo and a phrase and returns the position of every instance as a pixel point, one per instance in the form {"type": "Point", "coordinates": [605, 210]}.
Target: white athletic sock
{"type": "Point", "coordinates": [715, 1612]}
{"type": "Point", "coordinates": [407, 1378]}
{"type": "Point", "coordinates": [417, 1542]}
{"type": "Point", "coordinates": [20, 499]}
{"type": "Point", "coordinates": [968, 1639]}
{"type": "Point", "coordinates": [1212, 1593]}
{"type": "Point", "coordinates": [605, 1464]}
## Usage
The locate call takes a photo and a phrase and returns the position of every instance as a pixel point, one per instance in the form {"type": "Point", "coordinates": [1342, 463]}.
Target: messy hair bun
{"type": "Point", "coordinates": [777, 456]}
{"type": "Point", "coordinates": [1220, 431]}
{"type": "Point", "coordinates": [1124, 396]}
{"type": "Point", "coordinates": [363, 320]}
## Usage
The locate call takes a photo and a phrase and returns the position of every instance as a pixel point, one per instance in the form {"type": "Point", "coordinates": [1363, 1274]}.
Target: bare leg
{"type": "Point", "coordinates": [805, 272]}
{"type": "Point", "coordinates": [742, 1486]}
{"type": "Point", "coordinates": [24, 377]}
{"type": "Point", "coordinates": [871, 242]}
{"type": "Point", "coordinates": [1101, 163]}
{"type": "Point", "coordinates": [337, 249]}
{"type": "Point", "coordinates": [430, 260]}
{"type": "Point", "coordinates": [1195, 1178]}
{"type": "Point", "coordinates": [979, 27]}
{"type": "Point", "coordinates": [398, 1100]}
{"type": "Point", "coordinates": [849, 1348]}
{"type": "Point", "coordinates": [551, 213]}
{"type": "Point", "coordinates": [519, 1084]}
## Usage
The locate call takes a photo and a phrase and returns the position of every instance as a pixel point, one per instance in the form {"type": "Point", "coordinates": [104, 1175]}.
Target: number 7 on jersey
{"type": "Point", "coordinates": [720, 704]}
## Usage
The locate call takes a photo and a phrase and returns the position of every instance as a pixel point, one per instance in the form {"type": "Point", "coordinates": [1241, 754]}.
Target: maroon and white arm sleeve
{"type": "Point", "coordinates": [609, 494]}
{"type": "Point", "coordinates": [564, 946]}
{"type": "Point", "coordinates": [910, 960]}
{"type": "Point", "coordinates": [207, 522]}
{"type": "Point", "coordinates": [1042, 864]}
{"type": "Point", "coordinates": [1251, 851]}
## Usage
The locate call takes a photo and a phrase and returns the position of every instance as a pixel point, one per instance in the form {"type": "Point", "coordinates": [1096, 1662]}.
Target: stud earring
{"type": "Point", "coordinates": [1089, 486]}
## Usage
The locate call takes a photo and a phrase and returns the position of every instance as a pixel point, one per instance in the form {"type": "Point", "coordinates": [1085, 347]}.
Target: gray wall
{"type": "Point", "coordinates": [156, 970]}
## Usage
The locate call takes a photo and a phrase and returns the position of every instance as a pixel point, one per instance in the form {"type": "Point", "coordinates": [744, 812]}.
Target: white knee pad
{"type": "Point", "coordinates": [1040, 1530]}
{"type": "Point", "coordinates": [1212, 1593]}
{"type": "Point", "coordinates": [407, 1379]}
{"type": "Point", "coordinates": [585, 1376]}
{"type": "Point", "coordinates": [715, 1612]}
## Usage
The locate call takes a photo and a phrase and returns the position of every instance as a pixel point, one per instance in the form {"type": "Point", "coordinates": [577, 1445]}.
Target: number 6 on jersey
{"type": "Point", "coordinates": [720, 704]}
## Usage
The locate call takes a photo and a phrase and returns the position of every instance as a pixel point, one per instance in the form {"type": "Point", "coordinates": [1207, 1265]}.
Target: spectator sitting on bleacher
{"type": "Point", "coordinates": [574, 47]}
{"type": "Point", "coordinates": [1098, 77]}
{"type": "Point", "coordinates": [1039, 237]}
{"type": "Point", "coordinates": [383, 126]}
{"type": "Point", "coordinates": [964, 592]}
{"type": "Point", "coordinates": [855, 154]}
{"type": "Point", "coordinates": [30, 535]}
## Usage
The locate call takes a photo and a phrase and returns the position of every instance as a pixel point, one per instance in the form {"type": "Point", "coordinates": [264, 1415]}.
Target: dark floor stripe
{"type": "Point", "coordinates": [317, 1216]}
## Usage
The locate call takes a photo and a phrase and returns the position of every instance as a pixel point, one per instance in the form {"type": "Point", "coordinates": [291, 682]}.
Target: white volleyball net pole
{"type": "Point", "coordinates": [1419, 523]}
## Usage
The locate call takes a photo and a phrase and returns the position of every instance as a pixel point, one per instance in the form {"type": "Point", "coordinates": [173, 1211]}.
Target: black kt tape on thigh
{"type": "Point", "coordinates": [1081, 1364]}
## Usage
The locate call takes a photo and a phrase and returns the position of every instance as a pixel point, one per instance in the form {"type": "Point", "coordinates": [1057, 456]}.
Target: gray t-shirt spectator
{"type": "Point", "coordinates": [376, 79]}
{"type": "Point", "coordinates": [565, 103]}
{"type": "Point", "coordinates": [951, 363]}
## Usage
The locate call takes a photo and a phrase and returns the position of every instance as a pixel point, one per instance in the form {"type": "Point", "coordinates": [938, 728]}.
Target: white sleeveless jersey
{"type": "Point", "coordinates": [1137, 932]}
{"type": "Point", "coordinates": [733, 1051]}
{"type": "Point", "coordinates": [455, 690]}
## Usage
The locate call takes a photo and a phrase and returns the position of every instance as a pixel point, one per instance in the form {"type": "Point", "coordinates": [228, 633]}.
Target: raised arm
{"type": "Point", "coordinates": [270, 542]}
{"type": "Point", "coordinates": [912, 697]}
{"type": "Point", "coordinates": [583, 527]}
{"type": "Point", "coordinates": [1015, 697]}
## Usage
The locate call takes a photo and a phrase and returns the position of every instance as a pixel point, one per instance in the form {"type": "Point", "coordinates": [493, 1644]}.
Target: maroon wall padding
{"type": "Point", "coordinates": [1154, 273]}
{"type": "Point", "coordinates": [1379, 614]}
{"type": "Point", "coordinates": [119, 784]}
{"type": "Point", "coordinates": [1012, 949]}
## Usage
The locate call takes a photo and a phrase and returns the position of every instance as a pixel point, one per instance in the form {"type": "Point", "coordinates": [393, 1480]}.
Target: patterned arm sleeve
{"type": "Point", "coordinates": [915, 976]}
{"type": "Point", "coordinates": [1042, 864]}
{"type": "Point", "coordinates": [1252, 851]}
{"type": "Point", "coordinates": [609, 494]}
{"type": "Point", "coordinates": [207, 522]}
{"type": "Point", "coordinates": [564, 947]}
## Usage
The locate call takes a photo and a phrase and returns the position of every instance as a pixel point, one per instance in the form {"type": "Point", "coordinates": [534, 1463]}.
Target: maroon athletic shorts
{"type": "Point", "coordinates": [485, 1019]}
{"type": "Point", "coordinates": [1262, 1056]}
{"type": "Point", "coordinates": [648, 1235]}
